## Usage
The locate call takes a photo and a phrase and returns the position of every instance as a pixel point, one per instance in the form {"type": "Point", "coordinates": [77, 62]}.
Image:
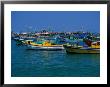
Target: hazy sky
{"type": "Point", "coordinates": [58, 21]}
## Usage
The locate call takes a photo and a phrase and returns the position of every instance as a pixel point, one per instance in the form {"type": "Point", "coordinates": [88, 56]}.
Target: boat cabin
{"type": "Point", "coordinates": [95, 44]}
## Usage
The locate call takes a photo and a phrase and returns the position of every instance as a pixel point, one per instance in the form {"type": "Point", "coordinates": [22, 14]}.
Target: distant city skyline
{"type": "Point", "coordinates": [57, 21]}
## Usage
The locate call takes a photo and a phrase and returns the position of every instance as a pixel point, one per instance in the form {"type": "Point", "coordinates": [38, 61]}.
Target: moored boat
{"type": "Point", "coordinates": [45, 46]}
{"type": "Point", "coordinates": [95, 48]}
{"type": "Point", "coordinates": [31, 47]}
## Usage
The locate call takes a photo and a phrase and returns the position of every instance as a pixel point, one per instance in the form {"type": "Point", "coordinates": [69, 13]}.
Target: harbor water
{"type": "Point", "coordinates": [34, 63]}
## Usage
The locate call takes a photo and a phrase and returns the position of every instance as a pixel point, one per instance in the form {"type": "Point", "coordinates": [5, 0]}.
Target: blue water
{"type": "Point", "coordinates": [33, 63]}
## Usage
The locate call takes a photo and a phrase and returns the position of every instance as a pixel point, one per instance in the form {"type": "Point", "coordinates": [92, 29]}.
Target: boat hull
{"type": "Point", "coordinates": [30, 47]}
{"type": "Point", "coordinates": [82, 50]}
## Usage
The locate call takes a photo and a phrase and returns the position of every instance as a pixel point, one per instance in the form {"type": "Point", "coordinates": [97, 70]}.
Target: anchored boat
{"type": "Point", "coordinates": [95, 48]}
{"type": "Point", "coordinates": [45, 46]}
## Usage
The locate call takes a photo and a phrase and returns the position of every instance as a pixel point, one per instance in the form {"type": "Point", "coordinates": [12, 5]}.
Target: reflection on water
{"type": "Point", "coordinates": [53, 63]}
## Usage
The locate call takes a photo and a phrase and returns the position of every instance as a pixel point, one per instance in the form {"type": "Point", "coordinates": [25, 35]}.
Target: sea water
{"type": "Point", "coordinates": [34, 63]}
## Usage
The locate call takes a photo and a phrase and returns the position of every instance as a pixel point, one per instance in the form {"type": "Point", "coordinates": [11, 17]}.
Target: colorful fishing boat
{"type": "Point", "coordinates": [95, 48]}
{"type": "Point", "coordinates": [45, 46]}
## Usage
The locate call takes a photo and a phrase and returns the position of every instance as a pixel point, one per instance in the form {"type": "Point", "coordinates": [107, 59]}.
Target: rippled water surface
{"type": "Point", "coordinates": [33, 63]}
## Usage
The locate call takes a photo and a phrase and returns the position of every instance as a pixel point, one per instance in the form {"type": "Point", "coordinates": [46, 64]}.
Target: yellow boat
{"type": "Point", "coordinates": [45, 46]}
{"type": "Point", "coordinates": [95, 48]}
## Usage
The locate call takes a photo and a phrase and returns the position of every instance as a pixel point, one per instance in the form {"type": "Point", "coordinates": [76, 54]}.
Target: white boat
{"type": "Point", "coordinates": [31, 47]}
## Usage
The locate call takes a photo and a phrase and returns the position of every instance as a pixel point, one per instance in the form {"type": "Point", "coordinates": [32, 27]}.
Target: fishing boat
{"type": "Point", "coordinates": [19, 41]}
{"type": "Point", "coordinates": [45, 46]}
{"type": "Point", "coordinates": [95, 48]}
